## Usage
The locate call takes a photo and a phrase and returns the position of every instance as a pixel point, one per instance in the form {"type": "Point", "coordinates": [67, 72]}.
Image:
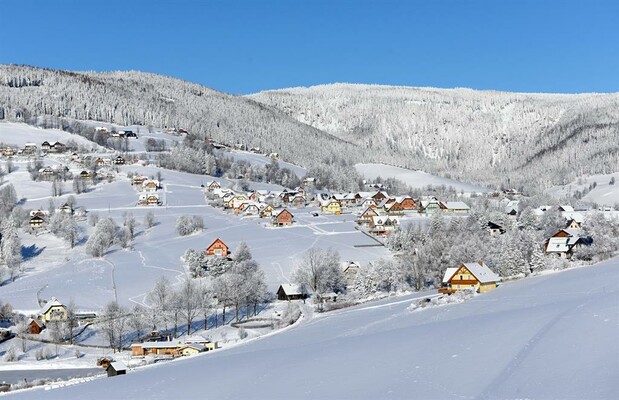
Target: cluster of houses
{"type": "Point", "coordinates": [116, 134]}
{"type": "Point", "coordinates": [39, 217]}
{"type": "Point", "coordinates": [148, 190]}
{"type": "Point", "coordinates": [54, 310]}
{"type": "Point", "coordinates": [381, 212]}
{"type": "Point", "coordinates": [259, 203]}
{"type": "Point", "coordinates": [33, 149]}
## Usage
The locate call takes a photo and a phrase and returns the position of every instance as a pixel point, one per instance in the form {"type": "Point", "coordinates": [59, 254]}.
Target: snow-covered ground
{"type": "Point", "coordinates": [548, 337]}
{"type": "Point", "coordinates": [415, 179]}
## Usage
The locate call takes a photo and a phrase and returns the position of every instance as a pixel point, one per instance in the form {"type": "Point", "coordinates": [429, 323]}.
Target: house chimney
{"type": "Point", "coordinates": [480, 262]}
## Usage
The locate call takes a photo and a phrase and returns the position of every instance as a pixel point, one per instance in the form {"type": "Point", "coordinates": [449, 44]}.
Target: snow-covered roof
{"type": "Point", "coordinates": [156, 345]}
{"type": "Point", "coordinates": [482, 272]}
{"type": "Point", "coordinates": [457, 205]}
{"type": "Point", "coordinates": [51, 303]}
{"type": "Point", "coordinates": [558, 245]}
{"type": "Point", "coordinates": [118, 365]}
{"type": "Point", "coordinates": [566, 208]}
{"type": "Point", "coordinates": [196, 339]}
{"type": "Point", "coordinates": [291, 290]}
{"type": "Point", "coordinates": [196, 346]}
{"type": "Point", "coordinates": [449, 272]}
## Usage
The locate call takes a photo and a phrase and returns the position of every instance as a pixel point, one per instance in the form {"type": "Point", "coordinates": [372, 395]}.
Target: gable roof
{"type": "Point", "coordinates": [290, 289]}
{"type": "Point", "coordinates": [449, 272]}
{"type": "Point", "coordinates": [118, 366]}
{"type": "Point", "coordinates": [52, 303]}
{"type": "Point", "coordinates": [482, 272]}
{"type": "Point", "coordinates": [218, 240]}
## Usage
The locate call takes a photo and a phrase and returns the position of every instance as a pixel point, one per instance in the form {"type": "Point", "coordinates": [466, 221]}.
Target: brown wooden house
{"type": "Point", "coordinates": [217, 248]}
{"type": "Point", "coordinates": [35, 326]}
{"type": "Point", "coordinates": [283, 218]}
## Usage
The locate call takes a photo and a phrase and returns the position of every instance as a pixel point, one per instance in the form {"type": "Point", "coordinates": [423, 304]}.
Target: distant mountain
{"type": "Point", "coordinates": [128, 98]}
{"type": "Point", "coordinates": [521, 140]}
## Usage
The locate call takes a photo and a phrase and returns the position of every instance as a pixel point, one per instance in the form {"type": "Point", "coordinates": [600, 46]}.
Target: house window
{"type": "Point", "coordinates": [461, 277]}
{"type": "Point", "coordinates": [458, 286]}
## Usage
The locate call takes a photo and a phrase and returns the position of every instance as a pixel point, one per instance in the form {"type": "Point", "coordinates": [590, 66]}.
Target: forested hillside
{"type": "Point", "coordinates": [526, 141]}
{"type": "Point", "coordinates": [521, 140]}
{"type": "Point", "coordinates": [136, 98]}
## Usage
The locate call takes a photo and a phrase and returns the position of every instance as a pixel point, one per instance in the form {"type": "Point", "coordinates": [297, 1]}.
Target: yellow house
{"type": "Point", "coordinates": [476, 276]}
{"type": "Point", "coordinates": [53, 311]}
{"type": "Point", "coordinates": [331, 207]}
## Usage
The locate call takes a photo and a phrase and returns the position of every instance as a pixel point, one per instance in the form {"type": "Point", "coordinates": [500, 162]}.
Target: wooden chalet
{"type": "Point", "coordinates": [379, 196]}
{"type": "Point", "coordinates": [290, 292]}
{"type": "Point", "coordinates": [283, 218]}
{"type": "Point", "coordinates": [150, 185]}
{"type": "Point", "coordinates": [85, 175]}
{"type": "Point", "coordinates": [298, 201]}
{"type": "Point", "coordinates": [393, 208]}
{"type": "Point", "coordinates": [45, 146]}
{"type": "Point", "coordinates": [217, 248]}
{"type": "Point", "coordinates": [475, 276]}
{"type": "Point", "coordinates": [118, 161]}
{"type": "Point", "coordinates": [431, 206]}
{"type": "Point", "coordinates": [366, 216]}
{"type": "Point", "coordinates": [266, 211]}
{"type": "Point", "coordinates": [382, 225]}
{"type": "Point", "coordinates": [407, 203]}
{"type": "Point", "coordinates": [456, 207]}
{"type": "Point", "coordinates": [495, 229]}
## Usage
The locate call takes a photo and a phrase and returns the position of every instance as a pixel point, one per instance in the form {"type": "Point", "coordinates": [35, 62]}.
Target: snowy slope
{"type": "Point", "coordinates": [603, 193]}
{"type": "Point", "coordinates": [552, 336]}
{"type": "Point", "coordinates": [416, 179]}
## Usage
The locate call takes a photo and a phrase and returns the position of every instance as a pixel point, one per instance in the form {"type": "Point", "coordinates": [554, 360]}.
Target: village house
{"type": "Point", "coordinates": [495, 229]}
{"type": "Point", "coordinates": [266, 211]}
{"type": "Point", "coordinates": [30, 148]}
{"type": "Point", "coordinates": [217, 248]}
{"type": "Point", "coordinates": [169, 349]}
{"type": "Point", "coordinates": [150, 185]}
{"type": "Point", "coordinates": [290, 292]}
{"type": "Point", "coordinates": [431, 206]}
{"type": "Point", "coordinates": [35, 326]}
{"type": "Point", "coordinates": [456, 207]}
{"type": "Point", "coordinates": [138, 180]}
{"type": "Point", "coordinates": [366, 216]}
{"type": "Point", "coordinates": [382, 225]}
{"type": "Point", "coordinates": [57, 147]}
{"type": "Point", "coordinates": [45, 146]}
{"type": "Point", "coordinates": [148, 199]}
{"type": "Point", "coordinates": [85, 175]}
{"type": "Point", "coordinates": [212, 185]}
{"type": "Point", "coordinates": [476, 276]}
{"type": "Point", "coordinates": [36, 221]}
{"type": "Point", "coordinates": [53, 310]}
{"type": "Point", "coordinates": [298, 201]}
{"type": "Point", "coordinates": [283, 218]}
{"type": "Point", "coordinates": [197, 339]}
{"type": "Point", "coordinates": [393, 208]}
{"type": "Point", "coordinates": [407, 203]}
{"type": "Point", "coordinates": [119, 160]}
{"type": "Point", "coordinates": [8, 152]}
{"type": "Point", "coordinates": [100, 161]}
{"type": "Point", "coordinates": [191, 349]}
{"type": "Point", "coordinates": [251, 209]}
{"type": "Point", "coordinates": [565, 241]}
{"type": "Point", "coordinates": [350, 269]}
{"type": "Point", "coordinates": [66, 208]}
{"type": "Point", "coordinates": [331, 206]}
{"type": "Point", "coordinates": [379, 196]}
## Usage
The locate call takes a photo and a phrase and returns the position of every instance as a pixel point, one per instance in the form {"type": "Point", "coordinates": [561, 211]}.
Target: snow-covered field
{"type": "Point", "coordinates": [415, 179]}
{"type": "Point", "coordinates": [548, 337]}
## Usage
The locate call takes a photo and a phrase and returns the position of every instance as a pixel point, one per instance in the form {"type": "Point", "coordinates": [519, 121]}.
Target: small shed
{"type": "Point", "coordinates": [116, 368]}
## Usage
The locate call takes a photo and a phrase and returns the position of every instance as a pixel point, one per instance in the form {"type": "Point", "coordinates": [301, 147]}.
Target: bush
{"type": "Point", "coordinates": [186, 225]}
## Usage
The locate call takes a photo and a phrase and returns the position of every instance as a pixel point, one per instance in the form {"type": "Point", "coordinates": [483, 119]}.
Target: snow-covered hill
{"type": "Point", "coordinates": [491, 138]}
{"type": "Point", "coordinates": [548, 337]}
{"type": "Point", "coordinates": [136, 98]}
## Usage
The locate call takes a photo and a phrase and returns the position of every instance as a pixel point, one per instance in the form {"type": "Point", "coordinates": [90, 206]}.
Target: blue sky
{"type": "Point", "coordinates": [248, 46]}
